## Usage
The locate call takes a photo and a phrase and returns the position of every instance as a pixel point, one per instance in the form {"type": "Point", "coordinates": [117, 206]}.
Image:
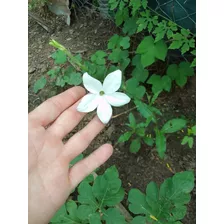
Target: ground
{"type": "Point", "coordinates": [87, 35]}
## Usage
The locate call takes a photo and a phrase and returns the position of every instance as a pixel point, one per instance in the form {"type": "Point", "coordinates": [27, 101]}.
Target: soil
{"type": "Point", "coordinates": [87, 35]}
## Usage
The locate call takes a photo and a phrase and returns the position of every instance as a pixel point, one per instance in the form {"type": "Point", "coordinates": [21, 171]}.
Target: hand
{"type": "Point", "coordinates": [50, 178]}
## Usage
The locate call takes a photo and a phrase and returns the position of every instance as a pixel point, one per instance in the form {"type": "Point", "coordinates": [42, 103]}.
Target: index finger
{"type": "Point", "coordinates": [49, 110]}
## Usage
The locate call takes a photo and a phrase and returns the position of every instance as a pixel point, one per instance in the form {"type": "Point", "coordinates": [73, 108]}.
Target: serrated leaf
{"type": "Point", "coordinates": [150, 26]}
{"type": "Point", "coordinates": [135, 145]}
{"type": "Point", "coordinates": [185, 48]}
{"type": "Point", "coordinates": [112, 216]}
{"type": "Point", "coordinates": [137, 200]}
{"type": "Point", "coordinates": [125, 137]}
{"type": "Point", "coordinates": [160, 144]}
{"type": "Point", "coordinates": [176, 44]}
{"type": "Point", "coordinates": [39, 84]}
{"type": "Point", "coordinates": [169, 33]}
{"type": "Point", "coordinates": [107, 188]}
{"type": "Point", "coordinates": [143, 109]}
{"type": "Point", "coordinates": [173, 125]}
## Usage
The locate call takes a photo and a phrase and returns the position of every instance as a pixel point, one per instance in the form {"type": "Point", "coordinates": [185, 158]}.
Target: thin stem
{"type": "Point", "coordinates": [125, 112]}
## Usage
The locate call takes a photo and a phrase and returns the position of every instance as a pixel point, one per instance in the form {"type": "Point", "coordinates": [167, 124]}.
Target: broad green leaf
{"type": "Point", "coordinates": [134, 89]}
{"type": "Point", "coordinates": [157, 84]}
{"type": "Point", "coordinates": [113, 4]}
{"type": "Point", "coordinates": [125, 42]}
{"type": "Point", "coordinates": [125, 137]}
{"type": "Point", "coordinates": [86, 195]}
{"type": "Point", "coordinates": [160, 143]}
{"type": "Point", "coordinates": [135, 145]}
{"type": "Point", "coordinates": [137, 200]}
{"type": "Point", "coordinates": [39, 84]}
{"type": "Point", "coordinates": [173, 125]}
{"type": "Point", "coordinates": [185, 69]}
{"type": "Point", "coordinates": [95, 218]}
{"type": "Point", "coordinates": [172, 71]}
{"type": "Point", "coordinates": [107, 188]}
{"type": "Point", "coordinates": [124, 63]}
{"type": "Point", "coordinates": [193, 130]}
{"type": "Point", "coordinates": [185, 32]}
{"type": "Point", "coordinates": [59, 57]}
{"type": "Point", "coordinates": [132, 120]}
{"type": "Point", "coordinates": [130, 26]}
{"type": "Point", "coordinates": [152, 198]}
{"type": "Point", "coordinates": [140, 74]}
{"type": "Point", "coordinates": [99, 58]}
{"type": "Point", "coordinates": [138, 220]}
{"type": "Point", "coordinates": [178, 213]}
{"type": "Point", "coordinates": [58, 217]}
{"type": "Point", "coordinates": [84, 211]}
{"type": "Point", "coordinates": [113, 41]}
{"type": "Point", "coordinates": [143, 47]}
{"type": "Point", "coordinates": [136, 61]}
{"type": "Point", "coordinates": [60, 81]}
{"type": "Point", "coordinates": [167, 82]}
{"type": "Point", "coordinates": [75, 79]}
{"type": "Point", "coordinates": [149, 141]}
{"type": "Point", "coordinates": [147, 58]}
{"type": "Point", "coordinates": [161, 50]}
{"type": "Point", "coordinates": [113, 216]}
{"type": "Point", "coordinates": [169, 33]}
{"type": "Point", "coordinates": [115, 55]}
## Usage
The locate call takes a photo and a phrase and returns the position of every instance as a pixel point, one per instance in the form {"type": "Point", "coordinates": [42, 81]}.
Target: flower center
{"type": "Point", "coordinates": [102, 93]}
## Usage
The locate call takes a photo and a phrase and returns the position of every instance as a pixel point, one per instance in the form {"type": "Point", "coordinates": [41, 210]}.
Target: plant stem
{"type": "Point", "coordinates": [125, 112]}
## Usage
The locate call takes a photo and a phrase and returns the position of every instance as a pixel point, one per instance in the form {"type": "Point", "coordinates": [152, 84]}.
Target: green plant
{"type": "Point", "coordinates": [188, 139]}
{"type": "Point", "coordinates": [33, 4]}
{"type": "Point", "coordinates": [97, 201]}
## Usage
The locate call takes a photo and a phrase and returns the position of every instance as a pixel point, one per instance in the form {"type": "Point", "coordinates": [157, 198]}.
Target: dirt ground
{"type": "Point", "coordinates": [87, 35]}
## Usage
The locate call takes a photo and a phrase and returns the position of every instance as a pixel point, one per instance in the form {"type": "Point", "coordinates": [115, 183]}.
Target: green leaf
{"type": "Point", "coordinates": [84, 211]}
{"type": "Point", "coordinates": [140, 132]}
{"type": "Point", "coordinates": [193, 130]}
{"type": "Point", "coordinates": [60, 81]}
{"type": "Point", "coordinates": [138, 220]}
{"type": "Point", "coordinates": [54, 72]}
{"type": "Point", "coordinates": [178, 213]}
{"type": "Point", "coordinates": [169, 34]}
{"type": "Point", "coordinates": [132, 120]}
{"type": "Point", "coordinates": [113, 4]}
{"type": "Point", "coordinates": [185, 69]}
{"type": "Point", "coordinates": [147, 58]}
{"type": "Point", "coordinates": [125, 42]}
{"type": "Point", "coordinates": [190, 142]}
{"type": "Point", "coordinates": [124, 63]}
{"type": "Point", "coordinates": [143, 109]}
{"type": "Point", "coordinates": [148, 141]}
{"type": "Point", "coordinates": [125, 137]}
{"type": "Point", "coordinates": [134, 89]}
{"type": "Point", "coordinates": [137, 200]}
{"type": "Point", "coordinates": [185, 140]}
{"type": "Point", "coordinates": [86, 195]}
{"type": "Point", "coordinates": [115, 55]}
{"type": "Point", "coordinates": [167, 82]}
{"type": "Point", "coordinates": [107, 188]}
{"type": "Point", "coordinates": [39, 84]}
{"type": "Point", "coordinates": [136, 4]}
{"type": "Point", "coordinates": [112, 216]}
{"type": "Point", "coordinates": [152, 198]}
{"type": "Point", "coordinates": [185, 48]}
{"type": "Point", "coordinates": [95, 218]}
{"type": "Point", "coordinates": [142, 24]}
{"type": "Point", "coordinates": [130, 26]}
{"type": "Point", "coordinates": [193, 64]}
{"type": "Point", "coordinates": [135, 145]}
{"type": "Point", "coordinates": [146, 43]}
{"type": "Point", "coordinates": [75, 79]}
{"type": "Point", "coordinates": [140, 74]}
{"type": "Point", "coordinates": [76, 159]}
{"type": "Point", "coordinates": [59, 57]}
{"type": "Point", "coordinates": [172, 71]}
{"type": "Point", "coordinates": [173, 125]}
{"type": "Point", "coordinates": [185, 32]}
{"type": "Point", "coordinates": [99, 58]}
{"type": "Point", "coordinates": [160, 144]}
{"type": "Point", "coordinates": [161, 50]}
{"type": "Point", "coordinates": [156, 82]}
{"type": "Point", "coordinates": [176, 44]}
{"type": "Point", "coordinates": [113, 41]}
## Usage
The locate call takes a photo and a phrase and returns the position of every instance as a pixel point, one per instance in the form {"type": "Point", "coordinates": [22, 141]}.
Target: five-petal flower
{"type": "Point", "coordinates": [103, 96]}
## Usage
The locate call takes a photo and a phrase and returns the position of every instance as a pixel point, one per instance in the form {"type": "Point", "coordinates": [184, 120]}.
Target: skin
{"type": "Point", "coordinates": [50, 178]}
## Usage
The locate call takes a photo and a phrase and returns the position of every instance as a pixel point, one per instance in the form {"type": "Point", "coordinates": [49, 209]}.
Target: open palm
{"type": "Point", "coordinates": [50, 178]}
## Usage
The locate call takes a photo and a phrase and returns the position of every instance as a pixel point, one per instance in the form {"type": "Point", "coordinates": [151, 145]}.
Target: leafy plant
{"type": "Point", "coordinates": [188, 139]}
{"type": "Point", "coordinates": [97, 199]}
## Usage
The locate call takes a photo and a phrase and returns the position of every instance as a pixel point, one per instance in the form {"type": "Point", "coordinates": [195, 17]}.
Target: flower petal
{"type": "Point", "coordinates": [91, 84]}
{"type": "Point", "coordinates": [112, 82]}
{"type": "Point", "coordinates": [88, 103]}
{"type": "Point", "coordinates": [104, 111]}
{"type": "Point", "coordinates": [117, 99]}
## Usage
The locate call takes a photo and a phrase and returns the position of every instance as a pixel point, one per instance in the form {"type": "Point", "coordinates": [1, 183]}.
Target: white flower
{"type": "Point", "coordinates": [103, 96]}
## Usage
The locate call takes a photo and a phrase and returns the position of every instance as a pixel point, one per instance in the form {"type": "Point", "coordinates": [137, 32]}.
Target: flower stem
{"type": "Point", "coordinates": [125, 112]}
